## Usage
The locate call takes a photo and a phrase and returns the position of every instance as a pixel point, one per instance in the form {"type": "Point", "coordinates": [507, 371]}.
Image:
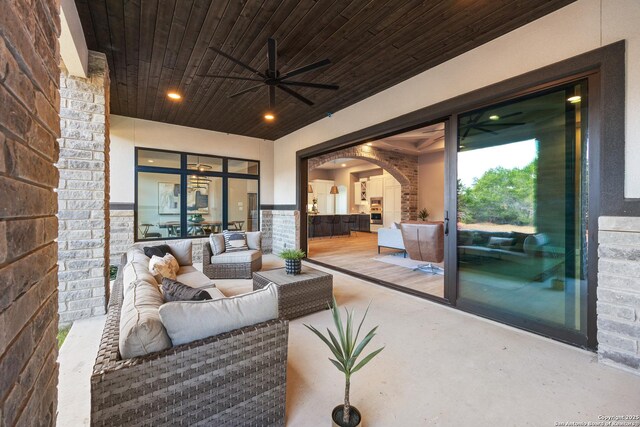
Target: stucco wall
{"type": "Point", "coordinates": [128, 133]}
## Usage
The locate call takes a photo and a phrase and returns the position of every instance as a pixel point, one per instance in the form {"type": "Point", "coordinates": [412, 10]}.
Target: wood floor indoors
{"type": "Point", "coordinates": [357, 253]}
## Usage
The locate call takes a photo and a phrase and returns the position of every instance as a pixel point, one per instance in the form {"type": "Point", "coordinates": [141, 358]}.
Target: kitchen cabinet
{"type": "Point", "coordinates": [375, 187]}
{"type": "Point", "coordinates": [392, 201]}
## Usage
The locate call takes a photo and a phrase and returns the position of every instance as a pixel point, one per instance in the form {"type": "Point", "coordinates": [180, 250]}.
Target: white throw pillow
{"type": "Point", "coordinates": [254, 240]}
{"type": "Point", "coordinates": [167, 266]}
{"type": "Point", "coordinates": [187, 321]}
{"type": "Point", "coordinates": [141, 330]}
{"type": "Point", "coordinates": [181, 249]}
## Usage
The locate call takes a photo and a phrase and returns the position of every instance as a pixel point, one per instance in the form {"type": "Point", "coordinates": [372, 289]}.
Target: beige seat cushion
{"type": "Point", "coordinates": [181, 249]}
{"type": "Point", "coordinates": [236, 257]}
{"type": "Point", "coordinates": [190, 276]}
{"type": "Point", "coordinates": [134, 271]}
{"type": "Point", "coordinates": [188, 321]}
{"type": "Point", "coordinates": [137, 254]}
{"type": "Point", "coordinates": [215, 293]}
{"type": "Point", "coordinates": [141, 330]}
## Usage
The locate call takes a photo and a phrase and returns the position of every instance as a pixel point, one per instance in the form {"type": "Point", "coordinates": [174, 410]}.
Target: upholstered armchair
{"type": "Point", "coordinates": [424, 242]}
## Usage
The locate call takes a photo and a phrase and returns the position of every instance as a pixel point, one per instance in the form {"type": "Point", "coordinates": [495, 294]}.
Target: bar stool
{"type": "Point", "coordinates": [315, 226]}
{"type": "Point", "coordinates": [327, 222]}
{"type": "Point", "coordinates": [335, 220]}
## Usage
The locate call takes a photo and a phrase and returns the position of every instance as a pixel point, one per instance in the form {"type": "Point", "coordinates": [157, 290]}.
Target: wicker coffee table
{"type": "Point", "coordinates": [305, 293]}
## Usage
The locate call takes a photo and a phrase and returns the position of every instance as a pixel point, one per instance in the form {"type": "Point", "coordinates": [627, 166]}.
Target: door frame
{"type": "Point", "coordinates": [605, 68]}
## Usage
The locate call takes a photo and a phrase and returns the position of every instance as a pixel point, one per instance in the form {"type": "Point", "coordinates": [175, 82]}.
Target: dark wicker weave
{"type": "Point", "coordinates": [227, 271]}
{"type": "Point", "coordinates": [233, 379]}
{"type": "Point", "coordinates": [305, 293]}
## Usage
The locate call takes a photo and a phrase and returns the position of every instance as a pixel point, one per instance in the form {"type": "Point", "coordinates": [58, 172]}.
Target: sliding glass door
{"type": "Point", "coordinates": [521, 212]}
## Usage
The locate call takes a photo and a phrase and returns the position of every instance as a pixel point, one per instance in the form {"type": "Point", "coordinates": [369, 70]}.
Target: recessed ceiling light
{"type": "Point", "coordinates": [494, 117]}
{"type": "Point", "coordinates": [269, 117]}
{"type": "Point", "coordinates": [150, 161]}
{"type": "Point", "coordinates": [574, 99]}
{"type": "Point", "coordinates": [174, 95]}
{"type": "Point", "coordinates": [343, 165]}
{"type": "Point", "coordinates": [369, 144]}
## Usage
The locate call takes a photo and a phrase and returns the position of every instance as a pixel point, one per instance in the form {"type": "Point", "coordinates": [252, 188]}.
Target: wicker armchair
{"type": "Point", "coordinates": [236, 378]}
{"type": "Point", "coordinates": [231, 270]}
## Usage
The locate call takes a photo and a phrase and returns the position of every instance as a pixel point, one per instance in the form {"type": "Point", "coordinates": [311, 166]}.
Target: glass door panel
{"type": "Point", "coordinates": [521, 226]}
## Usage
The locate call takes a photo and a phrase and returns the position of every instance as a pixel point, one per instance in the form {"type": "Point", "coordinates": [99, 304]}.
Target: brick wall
{"type": "Point", "coordinates": [83, 192]}
{"type": "Point", "coordinates": [266, 227]}
{"type": "Point", "coordinates": [619, 292]}
{"type": "Point", "coordinates": [403, 167]}
{"type": "Point", "coordinates": [29, 126]}
{"type": "Point", "coordinates": [285, 232]}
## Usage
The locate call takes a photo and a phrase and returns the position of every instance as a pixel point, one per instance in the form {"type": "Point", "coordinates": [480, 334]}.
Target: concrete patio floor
{"type": "Point", "coordinates": [440, 366]}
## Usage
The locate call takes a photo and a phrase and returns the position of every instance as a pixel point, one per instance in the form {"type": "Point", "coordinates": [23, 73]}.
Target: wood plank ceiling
{"type": "Point", "coordinates": [154, 46]}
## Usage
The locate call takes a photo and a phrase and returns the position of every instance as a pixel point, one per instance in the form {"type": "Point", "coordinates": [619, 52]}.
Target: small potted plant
{"type": "Point", "coordinates": [346, 349]}
{"type": "Point", "coordinates": [292, 260]}
{"type": "Point", "coordinates": [423, 214]}
{"type": "Point", "coordinates": [196, 218]}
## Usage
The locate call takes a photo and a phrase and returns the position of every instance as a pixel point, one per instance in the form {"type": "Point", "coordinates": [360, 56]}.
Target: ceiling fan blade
{"type": "Point", "coordinates": [249, 89]}
{"type": "Point", "coordinates": [487, 124]}
{"type": "Point", "coordinates": [486, 130]}
{"type": "Point", "coordinates": [295, 94]}
{"type": "Point", "coordinates": [217, 76]}
{"type": "Point", "coordinates": [314, 85]}
{"type": "Point", "coordinates": [272, 56]}
{"type": "Point", "coordinates": [511, 115]}
{"type": "Point", "coordinates": [307, 68]}
{"type": "Point", "coordinates": [272, 97]}
{"type": "Point", "coordinates": [240, 63]}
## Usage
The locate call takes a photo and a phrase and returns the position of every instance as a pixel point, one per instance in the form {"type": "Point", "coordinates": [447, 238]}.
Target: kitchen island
{"type": "Point", "coordinates": [337, 225]}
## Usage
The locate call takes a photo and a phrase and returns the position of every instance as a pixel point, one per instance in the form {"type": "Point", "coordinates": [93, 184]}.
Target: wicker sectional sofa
{"type": "Point", "coordinates": [232, 379]}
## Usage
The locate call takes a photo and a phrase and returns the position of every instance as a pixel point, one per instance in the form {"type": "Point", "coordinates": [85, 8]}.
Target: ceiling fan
{"type": "Point", "coordinates": [487, 125]}
{"type": "Point", "coordinates": [273, 79]}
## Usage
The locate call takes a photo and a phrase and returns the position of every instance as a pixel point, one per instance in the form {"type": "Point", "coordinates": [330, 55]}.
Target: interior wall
{"type": "Point", "coordinates": [431, 184]}
{"type": "Point", "coordinates": [578, 28]}
{"type": "Point", "coordinates": [128, 133]}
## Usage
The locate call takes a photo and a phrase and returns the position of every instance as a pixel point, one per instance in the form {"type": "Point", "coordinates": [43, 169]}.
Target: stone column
{"type": "Point", "coordinates": [29, 126]}
{"type": "Point", "coordinates": [83, 192]}
{"type": "Point", "coordinates": [266, 227]}
{"type": "Point", "coordinates": [285, 230]}
{"type": "Point", "coordinates": [619, 292]}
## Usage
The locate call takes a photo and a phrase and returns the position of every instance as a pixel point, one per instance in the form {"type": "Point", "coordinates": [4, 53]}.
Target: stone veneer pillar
{"type": "Point", "coordinates": [285, 230]}
{"type": "Point", "coordinates": [83, 192]}
{"type": "Point", "coordinates": [29, 126]}
{"type": "Point", "coordinates": [619, 292]}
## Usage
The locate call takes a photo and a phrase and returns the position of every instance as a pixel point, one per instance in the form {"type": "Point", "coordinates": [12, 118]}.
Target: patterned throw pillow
{"type": "Point", "coordinates": [235, 241]}
{"type": "Point", "coordinates": [167, 266]}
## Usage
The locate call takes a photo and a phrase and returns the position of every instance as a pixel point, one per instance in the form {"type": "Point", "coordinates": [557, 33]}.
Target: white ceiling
{"type": "Point", "coordinates": [427, 139]}
{"type": "Point", "coordinates": [349, 163]}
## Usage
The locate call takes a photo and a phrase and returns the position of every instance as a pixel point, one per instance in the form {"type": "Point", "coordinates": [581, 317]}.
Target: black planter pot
{"type": "Point", "coordinates": [293, 266]}
{"type": "Point", "coordinates": [355, 418]}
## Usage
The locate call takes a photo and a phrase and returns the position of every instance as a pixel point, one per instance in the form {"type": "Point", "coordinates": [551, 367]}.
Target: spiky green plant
{"type": "Point", "coordinates": [423, 214]}
{"type": "Point", "coordinates": [346, 349]}
{"type": "Point", "coordinates": [292, 254]}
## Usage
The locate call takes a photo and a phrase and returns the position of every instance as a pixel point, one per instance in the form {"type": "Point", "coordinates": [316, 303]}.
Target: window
{"type": "Point", "coordinates": [181, 195]}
